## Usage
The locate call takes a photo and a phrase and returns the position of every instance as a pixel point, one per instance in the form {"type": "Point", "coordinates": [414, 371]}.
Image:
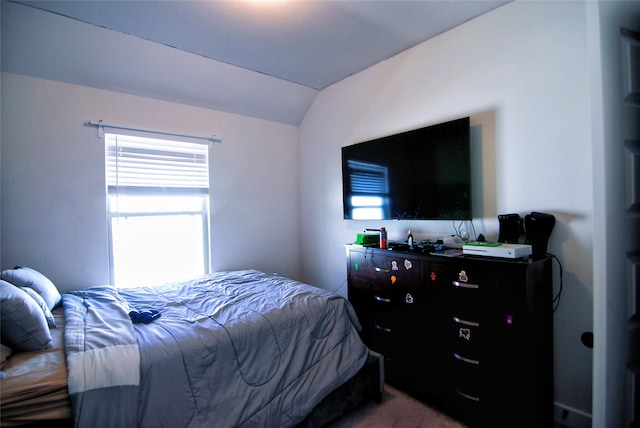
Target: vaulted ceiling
{"type": "Point", "coordinates": [305, 45]}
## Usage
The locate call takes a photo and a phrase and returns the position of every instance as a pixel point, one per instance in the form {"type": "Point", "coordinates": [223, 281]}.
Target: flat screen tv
{"type": "Point", "coordinates": [422, 174]}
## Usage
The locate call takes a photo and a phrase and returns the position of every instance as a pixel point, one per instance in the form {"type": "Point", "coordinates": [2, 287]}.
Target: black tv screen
{"type": "Point", "coordinates": [423, 174]}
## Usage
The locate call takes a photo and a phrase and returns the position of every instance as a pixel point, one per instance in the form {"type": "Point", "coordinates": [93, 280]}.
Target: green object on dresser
{"type": "Point", "coordinates": [368, 239]}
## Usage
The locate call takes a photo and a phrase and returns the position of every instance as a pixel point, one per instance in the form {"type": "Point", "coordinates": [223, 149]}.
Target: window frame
{"type": "Point", "coordinates": [113, 215]}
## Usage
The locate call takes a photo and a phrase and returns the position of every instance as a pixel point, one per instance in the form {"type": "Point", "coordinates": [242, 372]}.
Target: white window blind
{"type": "Point", "coordinates": [138, 165]}
{"type": "Point", "coordinates": [368, 178]}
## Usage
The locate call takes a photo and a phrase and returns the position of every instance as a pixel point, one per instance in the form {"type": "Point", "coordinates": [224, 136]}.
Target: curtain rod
{"type": "Point", "coordinates": [100, 125]}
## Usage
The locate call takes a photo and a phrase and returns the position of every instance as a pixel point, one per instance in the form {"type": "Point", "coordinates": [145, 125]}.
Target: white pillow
{"type": "Point", "coordinates": [27, 277]}
{"type": "Point", "coordinates": [24, 326]}
{"type": "Point", "coordinates": [5, 352]}
{"type": "Point", "coordinates": [43, 305]}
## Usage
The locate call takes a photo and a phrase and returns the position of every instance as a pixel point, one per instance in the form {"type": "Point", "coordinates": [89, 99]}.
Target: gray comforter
{"type": "Point", "coordinates": [230, 349]}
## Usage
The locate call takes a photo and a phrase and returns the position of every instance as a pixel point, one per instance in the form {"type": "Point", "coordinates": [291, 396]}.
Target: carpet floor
{"type": "Point", "coordinates": [397, 409]}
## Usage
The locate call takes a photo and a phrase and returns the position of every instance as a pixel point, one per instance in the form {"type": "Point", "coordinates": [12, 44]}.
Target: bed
{"type": "Point", "coordinates": [237, 349]}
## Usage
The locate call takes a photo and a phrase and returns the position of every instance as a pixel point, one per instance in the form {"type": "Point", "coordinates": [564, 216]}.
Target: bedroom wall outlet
{"type": "Point", "coordinates": [570, 417]}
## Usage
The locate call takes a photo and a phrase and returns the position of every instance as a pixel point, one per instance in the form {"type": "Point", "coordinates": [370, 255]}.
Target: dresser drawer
{"type": "Point", "coordinates": [465, 295]}
{"type": "Point", "coordinates": [466, 409]}
{"type": "Point", "coordinates": [466, 377]}
{"type": "Point", "coordinates": [465, 337]}
{"type": "Point", "coordinates": [392, 269]}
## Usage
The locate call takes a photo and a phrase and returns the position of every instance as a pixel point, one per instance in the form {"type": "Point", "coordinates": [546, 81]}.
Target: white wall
{"type": "Point", "coordinates": [53, 186]}
{"type": "Point", "coordinates": [521, 73]}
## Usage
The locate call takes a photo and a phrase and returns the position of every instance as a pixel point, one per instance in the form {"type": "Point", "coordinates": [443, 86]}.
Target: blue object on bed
{"type": "Point", "coordinates": [144, 317]}
{"type": "Point", "coordinates": [239, 348]}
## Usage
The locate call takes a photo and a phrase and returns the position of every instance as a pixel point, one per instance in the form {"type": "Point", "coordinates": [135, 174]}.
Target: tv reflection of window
{"type": "Point", "coordinates": [369, 190]}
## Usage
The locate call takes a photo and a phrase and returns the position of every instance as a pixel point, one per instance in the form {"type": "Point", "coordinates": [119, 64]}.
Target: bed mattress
{"type": "Point", "coordinates": [34, 387]}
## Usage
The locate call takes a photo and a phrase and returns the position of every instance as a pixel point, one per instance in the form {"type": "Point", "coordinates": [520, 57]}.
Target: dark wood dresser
{"type": "Point", "coordinates": [468, 335]}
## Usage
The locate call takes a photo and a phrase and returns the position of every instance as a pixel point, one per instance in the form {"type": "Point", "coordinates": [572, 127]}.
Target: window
{"type": "Point", "coordinates": [158, 209]}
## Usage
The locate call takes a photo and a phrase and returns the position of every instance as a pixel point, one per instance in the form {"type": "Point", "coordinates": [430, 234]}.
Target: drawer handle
{"type": "Point", "coordinates": [382, 299]}
{"type": "Point", "coordinates": [464, 285]}
{"type": "Point", "coordinates": [379, 327]}
{"type": "Point", "coordinates": [465, 322]}
{"type": "Point", "coordinates": [466, 360]}
{"type": "Point", "coordinates": [379, 269]}
{"type": "Point", "coordinates": [467, 396]}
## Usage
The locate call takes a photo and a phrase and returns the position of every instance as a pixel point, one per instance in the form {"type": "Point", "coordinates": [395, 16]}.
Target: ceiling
{"type": "Point", "coordinates": [266, 59]}
{"type": "Point", "coordinates": [313, 43]}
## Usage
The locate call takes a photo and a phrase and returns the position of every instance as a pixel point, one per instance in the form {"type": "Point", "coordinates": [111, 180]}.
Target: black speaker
{"type": "Point", "coordinates": [538, 228]}
{"type": "Point", "coordinates": [510, 228]}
